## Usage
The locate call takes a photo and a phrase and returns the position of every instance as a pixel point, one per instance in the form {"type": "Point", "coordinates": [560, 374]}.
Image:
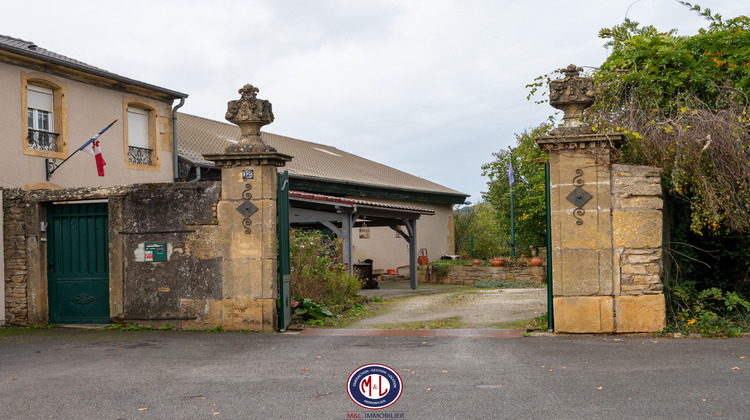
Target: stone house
{"type": "Point", "coordinates": [330, 172]}
{"type": "Point", "coordinates": [82, 248]}
{"type": "Point", "coordinates": [52, 105]}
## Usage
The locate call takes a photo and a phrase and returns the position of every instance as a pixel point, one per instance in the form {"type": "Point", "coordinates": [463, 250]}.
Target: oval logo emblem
{"type": "Point", "coordinates": [374, 386]}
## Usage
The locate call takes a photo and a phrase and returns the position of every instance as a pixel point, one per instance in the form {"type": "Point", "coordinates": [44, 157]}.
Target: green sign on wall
{"type": "Point", "coordinates": [156, 251]}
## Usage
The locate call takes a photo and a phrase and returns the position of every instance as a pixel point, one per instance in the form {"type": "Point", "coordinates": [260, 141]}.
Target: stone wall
{"type": "Point", "coordinates": [184, 217]}
{"type": "Point", "coordinates": [14, 249]}
{"type": "Point", "coordinates": [471, 275]}
{"type": "Point", "coordinates": [181, 215]}
{"type": "Point", "coordinates": [637, 228]}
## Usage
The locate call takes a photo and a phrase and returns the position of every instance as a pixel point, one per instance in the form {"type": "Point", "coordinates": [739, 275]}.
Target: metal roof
{"type": "Point", "coordinates": [31, 50]}
{"type": "Point", "coordinates": [356, 202]}
{"type": "Point", "coordinates": [198, 136]}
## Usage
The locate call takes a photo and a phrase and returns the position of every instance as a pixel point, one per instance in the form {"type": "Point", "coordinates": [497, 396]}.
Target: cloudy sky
{"type": "Point", "coordinates": [430, 87]}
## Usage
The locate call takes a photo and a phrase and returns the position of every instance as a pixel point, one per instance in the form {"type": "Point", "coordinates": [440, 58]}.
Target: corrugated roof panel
{"type": "Point", "coordinates": [334, 199]}
{"type": "Point", "coordinates": [199, 136]}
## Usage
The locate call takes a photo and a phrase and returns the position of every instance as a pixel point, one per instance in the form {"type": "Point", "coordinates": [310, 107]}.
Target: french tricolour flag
{"type": "Point", "coordinates": [92, 147]}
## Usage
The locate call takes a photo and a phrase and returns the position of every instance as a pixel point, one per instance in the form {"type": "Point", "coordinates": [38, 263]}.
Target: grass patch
{"type": "Point", "coordinates": [445, 323]}
{"type": "Point", "coordinates": [130, 327]}
{"type": "Point", "coordinates": [538, 323]}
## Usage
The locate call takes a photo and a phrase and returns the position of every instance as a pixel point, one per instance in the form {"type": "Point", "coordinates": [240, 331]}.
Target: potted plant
{"type": "Point", "coordinates": [498, 262]}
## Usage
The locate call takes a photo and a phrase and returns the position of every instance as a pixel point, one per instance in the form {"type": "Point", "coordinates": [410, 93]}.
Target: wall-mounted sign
{"type": "Point", "coordinates": [247, 174]}
{"type": "Point", "coordinates": [155, 251]}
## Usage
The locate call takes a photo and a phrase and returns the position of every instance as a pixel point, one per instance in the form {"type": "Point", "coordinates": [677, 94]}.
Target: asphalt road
{"type": "Point", "coordinates": [69, 374]}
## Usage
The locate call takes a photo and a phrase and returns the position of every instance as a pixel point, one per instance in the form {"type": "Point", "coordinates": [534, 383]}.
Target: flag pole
{"type": "Point", "coordinates": [48, 164]}
{"type": "Point", "coordinates": [512, 209]}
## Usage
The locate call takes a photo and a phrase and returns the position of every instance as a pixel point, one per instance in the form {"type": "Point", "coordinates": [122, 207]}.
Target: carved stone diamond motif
{"type": "Point", "coordinates": [247, 208]}
{"type": "Point", "coordinates": [579, 197]}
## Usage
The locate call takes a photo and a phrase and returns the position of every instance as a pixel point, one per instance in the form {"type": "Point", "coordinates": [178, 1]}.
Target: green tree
{"type": "Point", "coordinates": [528, 189]}
{"type": "Point", "coordinates": [683, 101]}
{"type": "Point", "coordinates": [477, 232]}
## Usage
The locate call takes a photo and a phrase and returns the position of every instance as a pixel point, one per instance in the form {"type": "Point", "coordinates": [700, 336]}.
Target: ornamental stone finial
{"type": "Point", "coordinates": [572, 95]}
{"type": "Point", "coordinates": [250, 114]}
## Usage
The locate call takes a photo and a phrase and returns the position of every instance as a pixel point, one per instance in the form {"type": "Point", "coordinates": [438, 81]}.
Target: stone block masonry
{"type": "Point", "coordinates": [182, 216]}
{"type": "Point", "coordinates": [14, 253]}
{"type": "Point", "coordinates": [248, 220]}
{"type": "Point", "coordinates": [606, 225]}
{"type": "Point", "coordinates": [637, 219]}
{"type": "Point", "coordinates": [471, 275]}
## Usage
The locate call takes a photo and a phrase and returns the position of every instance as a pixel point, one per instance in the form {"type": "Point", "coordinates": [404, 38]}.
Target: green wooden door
{"type": "Point", "coordinates": [78, 263]}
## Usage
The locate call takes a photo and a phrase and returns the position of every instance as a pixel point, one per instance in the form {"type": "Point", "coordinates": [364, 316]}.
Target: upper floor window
{"type": "Point", "coordinates": [40, 112]}
{"type": "Point", "coordinates": [44, 117]}
{"type": "Point", "coordinates": [141, 136]}
{"type": "Point", "coordinates": [139, 151]}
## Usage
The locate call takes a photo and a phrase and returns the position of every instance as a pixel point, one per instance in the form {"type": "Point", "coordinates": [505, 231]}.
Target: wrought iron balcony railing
{"type": "Point", "coordinates": [139, 155]}
{"type": "Point", "coordinates": [43, 140]}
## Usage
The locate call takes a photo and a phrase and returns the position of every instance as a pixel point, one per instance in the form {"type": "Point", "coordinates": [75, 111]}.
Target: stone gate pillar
{"type": "Point", "coordinates": [247, 218]}
{"type": "Point", "coordinates": [606, 225]}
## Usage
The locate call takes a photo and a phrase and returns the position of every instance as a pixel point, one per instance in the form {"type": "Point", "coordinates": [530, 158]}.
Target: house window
{"type": "Point", "coordinates": [141, 134]}
{"type": "Point", "coordinates": [139, 151]}
{"type": "Point", "coordinates": [41, 122]}
{"type": "Point", "coordinates": [43, 116]}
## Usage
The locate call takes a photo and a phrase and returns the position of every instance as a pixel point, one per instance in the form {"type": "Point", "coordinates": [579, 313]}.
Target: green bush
{"type": "Point", "coordinates": [317, 272]}
{"type": "Point", "coordinates": [309, 309]}
{"type": "Point", "coordinates": [710, 312]}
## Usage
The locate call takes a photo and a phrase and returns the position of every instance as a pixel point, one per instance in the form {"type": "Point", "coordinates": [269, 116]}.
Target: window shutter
{"type": "Point", "coordinates": [40, 98]}
{"type": "Point", "coordinates": [138, 128]}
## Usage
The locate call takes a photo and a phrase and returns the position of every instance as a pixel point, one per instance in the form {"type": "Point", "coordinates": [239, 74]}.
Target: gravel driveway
{"type": "Point", "coordinates": [475, 308]}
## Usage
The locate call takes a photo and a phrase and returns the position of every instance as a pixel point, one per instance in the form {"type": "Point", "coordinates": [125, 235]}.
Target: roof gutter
{"type": "Point", "coordinates": [176, 165]}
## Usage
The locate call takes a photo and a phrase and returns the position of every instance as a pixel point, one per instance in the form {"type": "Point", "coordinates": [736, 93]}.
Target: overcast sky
{"type": "Point", "coordinates": [429, 87]}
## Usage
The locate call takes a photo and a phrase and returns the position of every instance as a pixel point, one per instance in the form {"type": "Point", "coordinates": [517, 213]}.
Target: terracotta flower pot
{"type": "Point", "coordinates": [476, 263]}
{"type": "Point", "coordinates": [536, 262]}
{"type": "Point", "coordinates": [498, 262]}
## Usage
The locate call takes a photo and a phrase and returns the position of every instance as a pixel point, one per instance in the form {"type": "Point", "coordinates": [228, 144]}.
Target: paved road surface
{"type": "Point", "coordinates": [68, 374]}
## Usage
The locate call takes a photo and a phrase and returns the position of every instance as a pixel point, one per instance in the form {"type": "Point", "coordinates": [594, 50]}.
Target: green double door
{"type": "Point", "coordinates": [78, 263]}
